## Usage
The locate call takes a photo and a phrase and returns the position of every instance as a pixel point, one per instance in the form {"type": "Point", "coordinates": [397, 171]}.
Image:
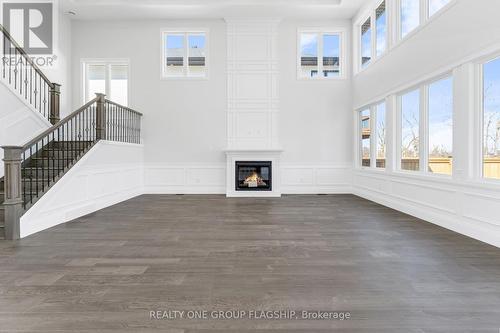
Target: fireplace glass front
{"type": "Point", "coordinates": [253, 176]}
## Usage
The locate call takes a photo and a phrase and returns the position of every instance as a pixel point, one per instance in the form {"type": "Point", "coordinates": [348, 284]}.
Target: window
{"type": "Point", "coordinates": [319, 52]}
{"type": "Point", "coordinates": [365, 138]}
{"type": "Point", "coordinates": [381, 133]}
{"type": "Point", "coordinates": [184, 54]}
{"type": "Point", "coordinates": [409, 16]}
{"type": "Point", "coordinates": [491, 119]}
{"type": "Point", "coordinates": [441, 126]}
{"type": "Point", "coordinates": [366, 43]}
{"type": "Point", "coordinates": [106, 77]}
{"type": "Point", "coordinates": [410, 131]}
{"type": "Point", "coordinates": [436, 5]}
{"type": "Point", "coordinates": [381, 28]}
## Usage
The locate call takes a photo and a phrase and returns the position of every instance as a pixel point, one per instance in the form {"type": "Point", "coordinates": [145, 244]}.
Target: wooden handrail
{"type": "Point", "coordinates": [124, 107]}
{"type": "Point", "coordinates": [58, 125]}
{"type": "Point", "coordinates": [25, 55]}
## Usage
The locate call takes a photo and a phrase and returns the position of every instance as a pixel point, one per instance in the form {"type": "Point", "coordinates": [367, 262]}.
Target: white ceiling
{"type": "Point", "coordinates": [175, 9]}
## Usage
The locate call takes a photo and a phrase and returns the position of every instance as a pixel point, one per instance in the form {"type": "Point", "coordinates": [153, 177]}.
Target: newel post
{"type": "Point", "coordinates": [55, 103]}
{"type": "Point", "coordinates": [101, 117]}
{"type": "Point", "coordinates": [13, 202]}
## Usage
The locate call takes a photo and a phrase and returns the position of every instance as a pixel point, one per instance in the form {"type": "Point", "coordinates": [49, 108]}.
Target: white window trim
{"type": "Point", "coordinates": [478, 130]}
{"type": "Point", "coordinates": [186, 32]}
{"type": "Point", "coordinates": [84, 62]}
{"type": "Point", "coordinates": [373, 136]}
{"type": "Point", "coordinates": [423, 156]}
{"type": "Point", "coordinates": [394, 40]}
{"type": "Point", "coordinates": [342, 61]}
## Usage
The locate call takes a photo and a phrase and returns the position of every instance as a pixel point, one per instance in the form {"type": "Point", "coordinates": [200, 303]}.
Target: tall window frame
{"type": "Point", "coordinates": [186, 33]}
{"type": "Point", "coordinates": [486, 161]}
{"type": "Point", "coordinates": [423, 127]}
{"type": "Point", "coordinates": [108, 64]}
{"type": "Point", "coordinates": [368, 131]}
{"type": "Point", "coordinates": [320, 33]}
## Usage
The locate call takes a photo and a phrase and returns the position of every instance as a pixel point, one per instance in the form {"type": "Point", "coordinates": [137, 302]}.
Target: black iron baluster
{"type": "Point", "coordinates": [31, 178]}
{"type": "Point", "coordinates": [15, 70]}
{"type": "Point", "coordinates": [21, 76]}
{"type": "Point", "coordinates": [23, 189]}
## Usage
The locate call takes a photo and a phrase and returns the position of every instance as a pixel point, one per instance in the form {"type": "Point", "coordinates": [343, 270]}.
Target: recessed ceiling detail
{"type": "Point", "coordinates": [184, 9]}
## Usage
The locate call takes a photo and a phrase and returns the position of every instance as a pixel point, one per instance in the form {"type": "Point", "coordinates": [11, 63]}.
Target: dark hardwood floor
{"type": "Point", "coordinates": [106, 272]}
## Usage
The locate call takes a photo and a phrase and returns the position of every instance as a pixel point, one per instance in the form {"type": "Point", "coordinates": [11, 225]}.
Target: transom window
{"type": "Point", "coordinates": [409, 16]}
{"type": "Point", "coordinates": [320, 55]}
{"type": "Point", "coordinates": [381, 29]}
{"type": "Point", "coordinates": [373, 35]}
{"type": "Point", "coordinates": [366, 43]}
{"type": "Point", "coordinates": [184, 54]}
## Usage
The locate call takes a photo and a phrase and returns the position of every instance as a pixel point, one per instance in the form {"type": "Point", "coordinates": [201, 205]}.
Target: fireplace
{"type": "Point", "coordinates": [253, 176]}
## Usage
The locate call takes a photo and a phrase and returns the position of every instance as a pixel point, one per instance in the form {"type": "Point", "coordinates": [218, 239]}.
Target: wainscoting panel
{"type": "Point", "coordinates": [185, 179]}
{"type": "Point", "coordinates": [108, 174]}
{"type": "Point", "coordinates": [210, 179]}
{"type": "Point", "coordinates": [444, 202]}
{"type": "Point", "coordinates": [315, 179]}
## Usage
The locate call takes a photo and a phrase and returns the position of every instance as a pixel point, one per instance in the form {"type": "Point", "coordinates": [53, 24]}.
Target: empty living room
{"type": "Point", "coordinates": [220, 166]}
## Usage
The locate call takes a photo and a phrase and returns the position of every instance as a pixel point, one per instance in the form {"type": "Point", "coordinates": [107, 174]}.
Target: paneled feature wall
{"type": "Point", "coordinates": [252, 87]}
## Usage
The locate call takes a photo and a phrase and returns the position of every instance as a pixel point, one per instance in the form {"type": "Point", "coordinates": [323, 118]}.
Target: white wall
{"type": "Point", "coordinates": [61, 72]}
{"type": "Point", "coordinates": [315, 119]}
{"type": "Point", "coordinates": [109, 173]}
{"type": "Point", "coordinates": [184, 124]}
{"type": "Point", "coordinates": [463, 203]}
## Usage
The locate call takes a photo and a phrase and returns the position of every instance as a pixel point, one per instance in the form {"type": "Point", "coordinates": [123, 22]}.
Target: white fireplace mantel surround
{"type": "Point", "coordinates": [268, 155]}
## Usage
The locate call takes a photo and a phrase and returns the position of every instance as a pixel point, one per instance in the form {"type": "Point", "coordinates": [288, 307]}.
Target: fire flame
{"type": "Point", "coordinates": [255, 179]}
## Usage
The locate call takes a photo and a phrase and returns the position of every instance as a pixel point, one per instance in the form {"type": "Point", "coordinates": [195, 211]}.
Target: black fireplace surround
{"type": "Point", "coordinates": [254, 176]}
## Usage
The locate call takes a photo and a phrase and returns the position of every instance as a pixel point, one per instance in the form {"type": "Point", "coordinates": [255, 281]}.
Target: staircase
{"type": "Point", "coordinates": [33, 168]}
